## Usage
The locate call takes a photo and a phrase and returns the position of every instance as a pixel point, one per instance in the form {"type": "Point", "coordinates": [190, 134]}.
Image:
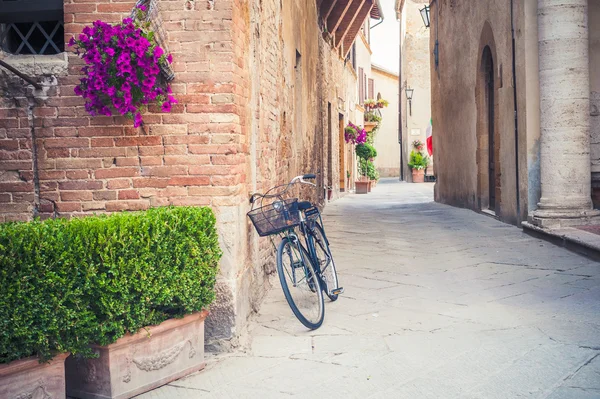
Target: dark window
{"type": "Point", "coordinates": [32, 26]}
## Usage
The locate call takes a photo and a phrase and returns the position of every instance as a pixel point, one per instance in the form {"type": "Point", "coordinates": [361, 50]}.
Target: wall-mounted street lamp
{"type": "Point", "coordinates": [425, 15]}
{"type": "Point", "coordinates": [409, 96]}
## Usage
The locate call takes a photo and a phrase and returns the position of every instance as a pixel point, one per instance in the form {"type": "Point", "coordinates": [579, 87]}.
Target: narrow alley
{"type": "Point", "coordinates": [440, 302]}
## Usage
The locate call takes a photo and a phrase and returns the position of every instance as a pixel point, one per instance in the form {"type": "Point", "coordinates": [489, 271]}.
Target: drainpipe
{"type": "Point", "coordinates": [514, 72]}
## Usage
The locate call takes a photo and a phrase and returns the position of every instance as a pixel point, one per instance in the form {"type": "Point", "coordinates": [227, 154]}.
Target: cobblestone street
{"type": "Point", "coordinates": [439, 302]}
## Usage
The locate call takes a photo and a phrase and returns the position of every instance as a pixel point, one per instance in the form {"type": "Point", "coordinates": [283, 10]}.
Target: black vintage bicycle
{"type": "Point", "coordinates": [304, 261]}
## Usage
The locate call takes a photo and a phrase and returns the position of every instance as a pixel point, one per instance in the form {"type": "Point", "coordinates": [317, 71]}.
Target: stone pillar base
{"type": "Point", "coordinates": [556, 218]}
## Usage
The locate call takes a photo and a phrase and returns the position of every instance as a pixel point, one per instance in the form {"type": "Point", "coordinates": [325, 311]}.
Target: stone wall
{"type": "Point", "coordinates": [464, 29]}
{"type": "Point", "coordinates": [594, 25]}
{"type": "Point", "coordinates": [251, 114]}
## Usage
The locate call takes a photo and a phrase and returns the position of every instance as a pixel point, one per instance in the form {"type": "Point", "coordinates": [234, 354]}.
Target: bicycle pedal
{"type": "Point", "coordinates": [337, 291]}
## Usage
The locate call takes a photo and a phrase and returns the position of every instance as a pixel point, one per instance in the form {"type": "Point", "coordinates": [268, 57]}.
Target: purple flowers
{"type": "Point", "coordinates": [122, 70]}
{"type": "Point", "coordinates": [355, 134]}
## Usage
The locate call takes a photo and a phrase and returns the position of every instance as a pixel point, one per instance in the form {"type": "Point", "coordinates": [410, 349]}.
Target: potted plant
{"type": "Point", "coordinates": [365, 154]}
{"type": "Point", "coordinates": [418, 145]}
{"type": "Point", "coordinates": [372, 115]}
{"type": "Point", "coordinates": [150, 298]}
{"type": "Point", "coordinates": [123, 68]}
{"type": "Point", "coordinates": [354, 134]}
{"type": "Point", "coordinates": [92, 287]}
{"type": "Point", "coordinates": [418, 163]}
{"type": "Point", "coordinates": [43, 312]}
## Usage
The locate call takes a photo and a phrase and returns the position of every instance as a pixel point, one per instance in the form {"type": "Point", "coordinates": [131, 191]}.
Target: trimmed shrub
{"type": "Point", "coordinates": [68, 283]}
{"type": "Point", "coordinates": [366, 151]}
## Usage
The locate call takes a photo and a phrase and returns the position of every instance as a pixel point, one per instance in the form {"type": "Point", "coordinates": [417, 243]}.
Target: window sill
{"type": "Point", "coordinates": [38, 65]}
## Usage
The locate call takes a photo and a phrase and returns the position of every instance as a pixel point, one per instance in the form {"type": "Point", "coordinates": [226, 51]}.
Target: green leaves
{"type": "Point", "coordinates": [68, 283]}
{"type": "Point", "coordinates": [418, 160]}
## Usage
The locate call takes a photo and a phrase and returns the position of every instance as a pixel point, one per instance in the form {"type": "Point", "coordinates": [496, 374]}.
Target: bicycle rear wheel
{"type": "Point", "coordinates": [300, 283]}
{"type": "Point", "coordinates": [326, 263]}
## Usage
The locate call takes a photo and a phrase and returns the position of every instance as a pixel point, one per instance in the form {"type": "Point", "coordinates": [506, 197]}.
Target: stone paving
{"type": "Point", "coordinates": [440, 303]}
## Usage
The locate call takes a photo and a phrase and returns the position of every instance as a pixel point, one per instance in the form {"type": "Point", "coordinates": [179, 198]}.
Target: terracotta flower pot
{"type": "Point", "coordinates": [369, 126]}
{"type": "Point", "coordinates": [28, 378]}
{"type": "Point", "coordinates": [362, 187]}
{"type": "Point", "coordinates": [418, 175]}
{"type": "Point", "coordinates": [140, 362]}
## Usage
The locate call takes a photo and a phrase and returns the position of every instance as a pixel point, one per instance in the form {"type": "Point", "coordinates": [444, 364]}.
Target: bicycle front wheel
{"type": "Point", "coordinates": [300, 283]}
{"type": "Point", "coordinates": [326, 263]}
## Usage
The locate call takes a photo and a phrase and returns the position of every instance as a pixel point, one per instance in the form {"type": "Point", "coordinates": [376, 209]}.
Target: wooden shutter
{"type": "Point", "coordinates": [371, 89]}
{"type": "Point", "coordinates": [361, 86]}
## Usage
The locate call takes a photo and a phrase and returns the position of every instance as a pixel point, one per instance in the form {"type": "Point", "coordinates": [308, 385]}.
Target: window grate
{"type": "Point", "coordinates": [38, 37]}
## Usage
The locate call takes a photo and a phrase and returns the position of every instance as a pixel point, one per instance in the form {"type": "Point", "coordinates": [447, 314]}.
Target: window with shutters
{"type": "Point", "coordinates": [371, 89]}
{"type": "Point", "coordinates": [32, 27]}
{"type": "Point", "coordinates": [361, 86]}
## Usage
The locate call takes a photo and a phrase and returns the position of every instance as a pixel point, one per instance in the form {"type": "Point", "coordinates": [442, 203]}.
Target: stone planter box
{"type": "Point", "coordinates": [28, 378]}
{"type": "Point", "coordinates": [140, 362]}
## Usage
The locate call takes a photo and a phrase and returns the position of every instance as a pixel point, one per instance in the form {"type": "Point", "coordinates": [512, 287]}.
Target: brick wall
{"type": "Point", "coordinates": [246, 120]}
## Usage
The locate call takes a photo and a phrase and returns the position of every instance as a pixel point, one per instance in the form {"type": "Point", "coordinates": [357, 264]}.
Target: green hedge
{"type": "Point", "coordinates": [67, 283]}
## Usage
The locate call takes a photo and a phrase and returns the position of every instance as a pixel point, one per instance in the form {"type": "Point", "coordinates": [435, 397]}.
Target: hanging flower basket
{"type": "Point", "coordinates": [123, 67]}
{"type": "Point", "coordinates": [152, 16]}
{"type": "Point", "coordinates": [355, 134]}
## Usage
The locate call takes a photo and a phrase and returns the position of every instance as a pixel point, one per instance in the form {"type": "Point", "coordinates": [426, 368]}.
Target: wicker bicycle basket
{"type": "Point", "coordinates": [153, 16]}
{"type": "Point", "coordinates": [276, 217]}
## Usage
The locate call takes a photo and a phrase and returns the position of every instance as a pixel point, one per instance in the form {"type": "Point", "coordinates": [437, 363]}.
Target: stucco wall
{"type": "Point", "coordinates": [386, 140]}
{"type": "Point", "coordinates": [465, 28]}
{"type": "Point", "coordinates": [416, 74]}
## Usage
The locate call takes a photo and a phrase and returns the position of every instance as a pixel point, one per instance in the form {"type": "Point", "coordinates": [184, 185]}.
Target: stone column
{"type": "Point", "coordinates": [565, 120]}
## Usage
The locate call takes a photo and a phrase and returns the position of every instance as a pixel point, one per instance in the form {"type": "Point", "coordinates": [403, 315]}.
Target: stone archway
{"type": "Point", "coordinates": [488, 139]}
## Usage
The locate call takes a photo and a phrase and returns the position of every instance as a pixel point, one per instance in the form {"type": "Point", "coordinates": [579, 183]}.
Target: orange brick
{"type": "Point", "coordinates": [189, 181]}
{"type": "Point", "coordinates": [128, 194]}
{"type": "Point", "coordinates": [76, 196]}
{"type": "Point", "coordinates": [150, 182]}
{"type": "Point", "coordinates": [116, 172]}
{"type": "Point", "coordinates": [118, 183]}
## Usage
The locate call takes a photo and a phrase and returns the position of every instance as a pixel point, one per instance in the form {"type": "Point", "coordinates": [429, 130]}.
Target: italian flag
{"type": "Point", "coordinates": [430, 138]}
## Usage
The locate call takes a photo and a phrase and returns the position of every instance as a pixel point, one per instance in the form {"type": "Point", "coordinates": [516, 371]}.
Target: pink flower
{"type": "Point", "coordinates": [170, 58]}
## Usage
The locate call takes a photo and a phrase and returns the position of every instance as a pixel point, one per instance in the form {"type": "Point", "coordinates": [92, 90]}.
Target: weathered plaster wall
{"type": "Point", "coordinates": [386, 140]}
{"type": "Point", "coordinates": [416, 74]}
{"type": "Point", "coordinates": [457, 119]}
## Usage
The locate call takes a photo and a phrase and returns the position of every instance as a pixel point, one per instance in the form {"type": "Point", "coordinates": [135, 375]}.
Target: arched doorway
{"type": "Point", "coordinates": [487, 135]}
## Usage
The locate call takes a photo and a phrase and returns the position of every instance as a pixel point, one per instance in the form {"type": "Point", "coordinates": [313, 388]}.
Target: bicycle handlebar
{"type": "Point", "coordinates": [301, 179]}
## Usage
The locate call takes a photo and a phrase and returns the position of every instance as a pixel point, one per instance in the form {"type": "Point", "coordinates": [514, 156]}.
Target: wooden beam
{"type": "Point", "coordinates": [349, 19]}
{"type": "Point", "coordinates": [336, 17]}
{"type": "Point", "coordinates": [329, 10]}
{"type": "Point", "coordinates": [355, 27]}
